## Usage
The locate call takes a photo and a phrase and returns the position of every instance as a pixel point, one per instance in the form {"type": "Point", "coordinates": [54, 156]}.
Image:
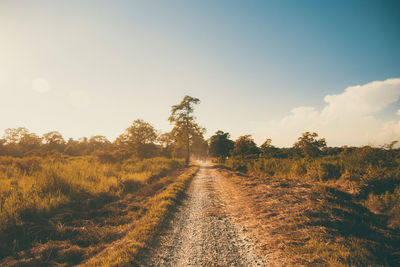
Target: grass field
{"type": "Point", "coordinates": [301, 223]}
{"type": "Point", "coordinates": [65, 210]}
{"type": "Point", "coordinates": [371, 176]}
{"type": "Point", "coordinates": [336, 211]}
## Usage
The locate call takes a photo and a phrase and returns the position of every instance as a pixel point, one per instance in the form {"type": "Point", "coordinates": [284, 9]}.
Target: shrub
{"type": "Point", "coordinates": [387, 203]}
{"type": "Point", "coordinates": [323, 171]}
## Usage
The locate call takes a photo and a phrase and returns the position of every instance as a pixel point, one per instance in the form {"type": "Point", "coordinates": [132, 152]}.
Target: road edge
{"type": "Point", "coordinates": [128, 252]}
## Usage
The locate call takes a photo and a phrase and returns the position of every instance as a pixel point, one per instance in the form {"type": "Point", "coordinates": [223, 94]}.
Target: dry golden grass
{"type": "Point", "coordinates": [67, 210]}
{"type": "Point", "coordinates": [299, 222]}
{"type": "Point", "coordinates": [126, 252]}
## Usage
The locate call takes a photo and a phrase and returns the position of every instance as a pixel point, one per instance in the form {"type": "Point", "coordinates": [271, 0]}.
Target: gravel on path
{"type": "Point", "coordinates": [201, 232]}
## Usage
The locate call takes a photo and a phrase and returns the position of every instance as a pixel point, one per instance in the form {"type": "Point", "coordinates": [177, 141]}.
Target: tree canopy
{"type": "Point", "coordinates": [139, 139]}
{"type": "Point", "coordinates": [220, 145]}
{"type": "Point", "coordinates": [186, 130]}
{"type": "Point", "coordinates": [308, 144]}
{"type": "Point", "coordinates": [245, 147]}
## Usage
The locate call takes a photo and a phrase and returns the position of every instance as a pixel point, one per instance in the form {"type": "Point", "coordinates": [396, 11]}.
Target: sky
{"type": "Point", "coordinates": [272, 69]}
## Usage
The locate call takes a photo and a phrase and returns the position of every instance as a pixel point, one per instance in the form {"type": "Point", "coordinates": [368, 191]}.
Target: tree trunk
{"type": "Point", "coordinates": [187, 152]}
{"type": "Point", "coordinates": [187, 140]}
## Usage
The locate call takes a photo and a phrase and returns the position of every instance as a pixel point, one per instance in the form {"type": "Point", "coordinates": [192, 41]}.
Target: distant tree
{"type": "Point", "coordinates": [309, 146]}
{"type": "Point", "coordinates": [220, 145]}
{"type": "Point", "coordinates": [99, 142]}
{"type": "Point", "coordinates": [333, 151]}
{"type": "Point", "coordinates": [30, 141]}
{"type": "Point", "coordinates": [185, 126]}
{"type": "Point", "coordinates": [53, 138]}
{"type": "Point", "coordinates": [139, 138]}
{"type": "Point", "coordinates": [245, 147]}
{"type": "Point", "coordinates": [20, 141]}
{"type": "Point", "coordinates": [199, 147]}
{"type": "Point", "coordinates": [285, 152]}
{"type": "Point", "coordinates": [267, 149]}
{"type": "Point", "coordinates": [2, 147]}
{"type": "Point", "coordinates": [15, 135]}
{"type": "Point", "coordinates": [83, 146]}
{"type": "Point", "coordinates": [54, 141]}
{"type": "Point", "coordinates": [69, 147]}
{"type": "Point", "coordinates": [390, 146]}
{"type": "Point", "coordinates": [166, 143]}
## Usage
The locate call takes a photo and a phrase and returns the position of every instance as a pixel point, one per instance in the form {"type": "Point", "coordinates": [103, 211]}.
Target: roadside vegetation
{"type": "Point", "coordinates": [63, 202]}
{"type": "Point", "coordinates": [342, 203]}
{"type": "Point", "coordinates": [129, 250]}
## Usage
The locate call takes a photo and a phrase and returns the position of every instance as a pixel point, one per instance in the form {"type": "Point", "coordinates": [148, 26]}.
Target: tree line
{"type": "Point", "coordinates": [140, 140]}
{"type": "Point", "coordinates": [308, 145]}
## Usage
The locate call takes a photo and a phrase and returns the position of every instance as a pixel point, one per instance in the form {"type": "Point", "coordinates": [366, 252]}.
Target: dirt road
{"type": "Point", "coordinates": [202, 233]}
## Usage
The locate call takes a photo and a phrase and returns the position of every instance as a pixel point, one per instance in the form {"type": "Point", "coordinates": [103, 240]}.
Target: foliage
{"type": "Point", "coordinates": [220, 145]}
{"type": "Point", "coordinates": [245, 147]}
{"type": "Point", "coordinates": [139, 138]}
{"type": "Point", "coordinates": [387, 203]}
{"type": "Point", "coordinates": [185, 130]}
{"type": "Point", "coordinates": [267, 149]}
{"type": "Point", "coordinates": [309, 146]}
{"type": "Point", "coordinates": [38, 185]}
{"type": "Point", "coordinates": [372, 174]}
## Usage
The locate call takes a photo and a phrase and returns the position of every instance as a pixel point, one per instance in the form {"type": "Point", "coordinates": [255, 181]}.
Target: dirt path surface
{"type": "Point", "coordinates": [202, 233]}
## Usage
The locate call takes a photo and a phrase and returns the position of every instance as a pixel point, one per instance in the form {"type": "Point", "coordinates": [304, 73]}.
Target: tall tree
{"type": "Point", "coordinates": [267, 149]}
{"type": "Point", "coordinates": [166, 142]}
{"type": "Point", "coordinates": [185, 127]}
{"type": "Point", "coordinates": [245, 147]}
{"type": "Point", "coordinates": [139, 138]}
{"type": "Point", "coordinates": [309, 146]}
{"type": "Point", "coordinates": [220, 145]}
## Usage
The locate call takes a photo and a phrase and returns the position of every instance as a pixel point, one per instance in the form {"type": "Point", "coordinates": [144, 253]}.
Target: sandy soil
{"type": "Point", "coordinates": [202, 232]}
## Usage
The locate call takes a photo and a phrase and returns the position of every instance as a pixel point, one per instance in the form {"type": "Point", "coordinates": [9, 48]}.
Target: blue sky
{"type": "Point", "coordinates": [259, 67]}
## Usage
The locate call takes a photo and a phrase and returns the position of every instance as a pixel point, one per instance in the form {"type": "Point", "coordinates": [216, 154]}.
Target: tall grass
{"type": "Point", "coordinates": [370, 174]}
{"type": "Point", "coordinates": [128, 252]}
{"type": "Point", "coordinates": [36, 185]}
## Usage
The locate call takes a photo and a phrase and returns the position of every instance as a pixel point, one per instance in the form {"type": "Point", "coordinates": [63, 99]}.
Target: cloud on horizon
{"type": "Point", "coordinates": [349, 118]}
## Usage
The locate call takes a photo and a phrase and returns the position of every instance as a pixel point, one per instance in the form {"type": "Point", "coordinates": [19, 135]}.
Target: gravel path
{"type": "Point", "coordinates": [202, 234]}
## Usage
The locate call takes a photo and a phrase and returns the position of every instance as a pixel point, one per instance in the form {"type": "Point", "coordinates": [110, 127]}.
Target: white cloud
{"type": "Point", "coordinates": [390, 131]}
{"type": "Point", "coordinates": [363, 100]}
{"type": "Point", "coordinates": [349, 118]}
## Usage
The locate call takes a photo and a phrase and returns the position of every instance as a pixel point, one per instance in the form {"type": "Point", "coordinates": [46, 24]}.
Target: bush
{"type": "Point", "coordinates": [323, 171]}
{"type": "Point", "coordinates": [387, 203]}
